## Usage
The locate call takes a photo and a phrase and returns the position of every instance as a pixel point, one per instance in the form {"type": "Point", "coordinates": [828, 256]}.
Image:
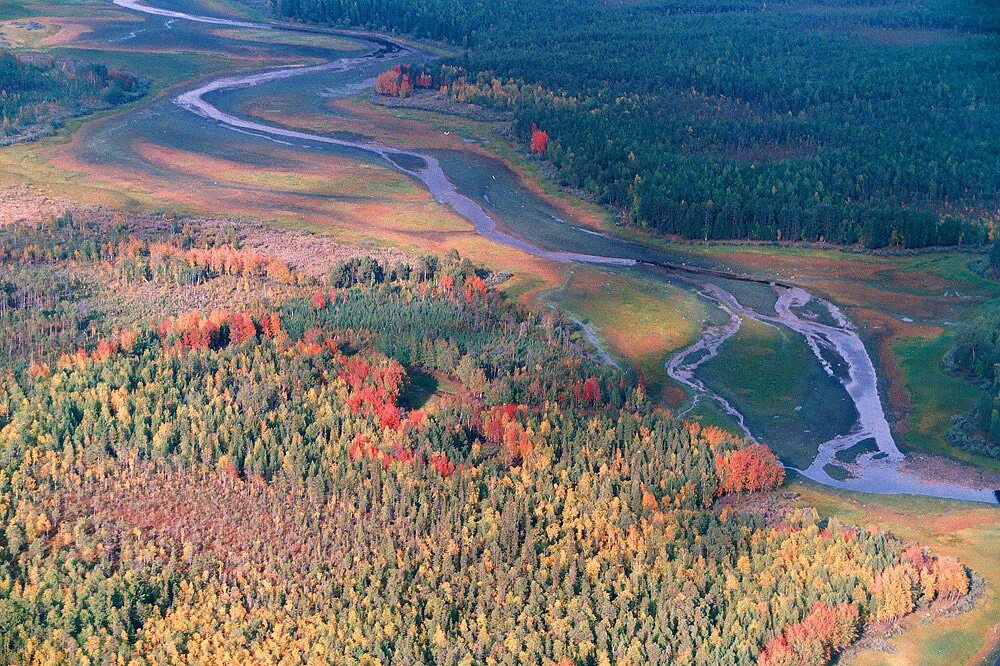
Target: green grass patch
{"type": "Point", "coordinates": [850, 454]}
{"type": "Point", "coordinates": [955, 268]}
{"type": "Point", "coordinates": [936, 396]}
{"type": "Point", "coordinates": [771, 376]}
{"type": "Point", "coordinates": [276, 38]}
{"type": "Point", "coordinates": [418, 391]}
{"type": "Point", "coordinates": [164, 69]}
{"type": "Point", "coordinates": [639, 320]}
{"type": "Point", "coordinates": [707, 412]}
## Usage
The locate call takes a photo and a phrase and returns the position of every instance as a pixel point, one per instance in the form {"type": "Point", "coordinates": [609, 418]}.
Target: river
{"type": "Point", "coordinates": [876, 470]}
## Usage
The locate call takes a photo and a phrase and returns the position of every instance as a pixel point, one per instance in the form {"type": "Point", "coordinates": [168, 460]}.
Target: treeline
{"type": "Point", "coordinates": [264, 485]}
{"type": "Point", "coordinates": [456, 21]}
{"type": "Point", "coordinates": [738, 120]}
{"type": "Point", "coordinates": [38, 92]}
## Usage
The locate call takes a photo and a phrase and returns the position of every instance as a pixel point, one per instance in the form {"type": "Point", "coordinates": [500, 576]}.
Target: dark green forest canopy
{"type": "Point", "coordinates": [976, 354]}
{"type": "Point", "coordinates": [856, 121]}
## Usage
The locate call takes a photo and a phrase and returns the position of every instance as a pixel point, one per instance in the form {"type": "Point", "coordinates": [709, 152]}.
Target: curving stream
{"type": "Point", "coordinates": [878, 471]}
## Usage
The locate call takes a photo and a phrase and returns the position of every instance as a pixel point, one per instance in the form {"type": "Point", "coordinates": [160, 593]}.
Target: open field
{"type": "Point", "coordinates": [968, 532]}
{"type": "Point", "coordinates": [270, 38]}
{"type": "Point", "coordinates": [639, 320]}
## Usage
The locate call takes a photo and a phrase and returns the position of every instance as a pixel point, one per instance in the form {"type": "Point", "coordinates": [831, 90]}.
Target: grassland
{"type": "Point", "coordinates": [639, 320]}
{"type": "Point", "coordinates": [782, 391]}
{"type": "Point", "coordinates": [271, 37]}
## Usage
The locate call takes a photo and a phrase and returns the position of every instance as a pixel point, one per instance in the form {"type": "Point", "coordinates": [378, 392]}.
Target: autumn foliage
{"type": "Point", "coordinates": [587, 392]}
{"type": "Point", "coordinates": [501, 425]}
{"type": "Point", "coordinates": [823, 632]}
{"type": "Point", "coordinates": [539, 140]}
{"type": "Point", "coordinates": [145, 261]}
{"type": "Point", "coordinates": [750, 469]}
{"type": "Point", "coordinates": [400, 81]}
{"type": "Point", "coordinates": [390, 466]}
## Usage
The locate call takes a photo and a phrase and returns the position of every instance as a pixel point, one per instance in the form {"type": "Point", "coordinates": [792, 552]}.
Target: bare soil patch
{"type": "Point", "coordinates": [944, 470]}
{"type": "Point", "coordinates": [22, 204]}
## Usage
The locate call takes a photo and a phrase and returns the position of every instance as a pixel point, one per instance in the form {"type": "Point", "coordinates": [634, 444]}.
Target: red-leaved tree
{"type": "Point", "coordinates": [750, 469]}
{"type": "Point", "coordinates": [824, 631]}
{"type": "Point", "coordinates": [539, 140]}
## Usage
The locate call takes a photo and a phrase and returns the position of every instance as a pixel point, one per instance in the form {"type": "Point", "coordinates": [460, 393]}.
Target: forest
{"type": "Point", "coordinates": [38, 92]}
{"type": "Point", "coordinates": [385, 464]}
{"type": "Point", "coordinates": [976, 354]}
{"type": "Point", "coordinates": [867, 123]}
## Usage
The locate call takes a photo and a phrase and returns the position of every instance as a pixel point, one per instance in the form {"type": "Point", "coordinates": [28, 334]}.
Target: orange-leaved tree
{"type": "Point", "coordinates": [539, 139]}
{"type": "Point", "coordinates": [750, 469]}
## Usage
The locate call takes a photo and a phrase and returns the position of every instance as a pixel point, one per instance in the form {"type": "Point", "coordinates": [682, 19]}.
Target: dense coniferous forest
{"type": "Point", "coordinates": [387, 465]}
{"type": "Point", "coordinates": [856, 122]}
{"type": "Point", "coordinates": [38, 92]}
{"type": "Point", "coordinates": [976, 354]}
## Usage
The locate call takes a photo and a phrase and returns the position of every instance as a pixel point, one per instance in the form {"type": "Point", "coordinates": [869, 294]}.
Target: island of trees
{"type": "Point", "coordinates": [38, 92]}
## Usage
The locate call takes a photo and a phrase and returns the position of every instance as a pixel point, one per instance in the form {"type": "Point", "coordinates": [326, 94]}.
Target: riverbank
{"type": "Point", "coordinates": [839, 338]}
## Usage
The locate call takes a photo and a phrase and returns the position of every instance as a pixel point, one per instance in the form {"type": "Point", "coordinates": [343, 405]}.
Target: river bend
{"type": "Point", "coordinates": [879, 471]}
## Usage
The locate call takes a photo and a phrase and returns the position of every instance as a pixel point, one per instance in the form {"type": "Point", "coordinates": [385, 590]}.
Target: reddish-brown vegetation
{"type": "Point", "coordinates": [539, 140]}
{"type": "Point", "coordinates": [750, 469]}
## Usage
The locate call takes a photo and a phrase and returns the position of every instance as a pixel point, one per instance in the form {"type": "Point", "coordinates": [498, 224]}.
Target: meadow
{"type": "Point", "coordinates": [639, 320]}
